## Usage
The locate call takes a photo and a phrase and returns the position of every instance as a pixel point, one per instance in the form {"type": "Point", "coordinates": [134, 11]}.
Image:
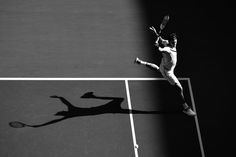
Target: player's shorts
{"type": "Point", "coordinates": [169, 75]}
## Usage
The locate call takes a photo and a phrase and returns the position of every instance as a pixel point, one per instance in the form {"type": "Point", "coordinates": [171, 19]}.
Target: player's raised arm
{"type": "Point", "coordinates": [159, 39]}
{"type": "Point", "coordinates": [154, 30]}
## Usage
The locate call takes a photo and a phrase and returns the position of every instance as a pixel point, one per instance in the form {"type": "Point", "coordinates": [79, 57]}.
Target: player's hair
{"type": "Point", "coordinates": [172, 39]}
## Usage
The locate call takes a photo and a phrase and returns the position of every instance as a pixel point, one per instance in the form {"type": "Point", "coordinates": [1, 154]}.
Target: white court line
{"type": "Point", "coordinates": [131, 119]}
{"type": "Point", "coordinates": [196, 119]}
{"type": "Point", "coordinates": [80, 79]}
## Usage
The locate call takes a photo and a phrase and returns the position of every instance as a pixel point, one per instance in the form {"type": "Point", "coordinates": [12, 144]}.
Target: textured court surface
{"type": "Point", "coordinates": [161, 129]}
{"type": "Point", "coordinates": [70, 38]}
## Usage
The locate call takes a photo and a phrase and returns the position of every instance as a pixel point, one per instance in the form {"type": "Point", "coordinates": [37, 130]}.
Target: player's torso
{"type": "Point", "coordinates": [169, 59]}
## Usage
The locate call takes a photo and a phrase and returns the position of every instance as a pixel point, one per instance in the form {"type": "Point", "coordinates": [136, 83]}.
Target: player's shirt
{"type": "Point", "coordinates": [169, 58]}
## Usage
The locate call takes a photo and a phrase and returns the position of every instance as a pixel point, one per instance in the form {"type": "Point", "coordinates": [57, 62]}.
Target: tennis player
{"type": "Point", "coordinates": [167, 66]}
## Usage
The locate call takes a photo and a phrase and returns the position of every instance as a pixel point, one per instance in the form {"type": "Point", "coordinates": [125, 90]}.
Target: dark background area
{"type": "Point", "coordinates": [205, 46]}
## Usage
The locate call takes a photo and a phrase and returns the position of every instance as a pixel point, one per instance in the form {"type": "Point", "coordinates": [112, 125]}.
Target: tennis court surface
{"type": "Point", "coordinates": [116, 117]}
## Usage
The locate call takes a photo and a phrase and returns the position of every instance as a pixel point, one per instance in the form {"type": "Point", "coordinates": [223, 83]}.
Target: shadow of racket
{"type": "Point", "coordinates": [17, 124]}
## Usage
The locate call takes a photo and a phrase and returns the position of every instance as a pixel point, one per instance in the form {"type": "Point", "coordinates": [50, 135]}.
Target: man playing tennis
{"type": "Point", "coordinates": [167, 66]}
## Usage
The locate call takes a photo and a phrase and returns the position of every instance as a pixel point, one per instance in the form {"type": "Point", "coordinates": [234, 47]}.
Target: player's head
{"type": "Point", "coordinates": [173, 39]}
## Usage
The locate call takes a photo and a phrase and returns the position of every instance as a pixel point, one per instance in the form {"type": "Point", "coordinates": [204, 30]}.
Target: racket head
{"type": "Point", "coordinates": [166, 18]}
{"type": "Point", "coordinates": [164, 21]}
{"type": "Point", "coordinates": [16, 124]}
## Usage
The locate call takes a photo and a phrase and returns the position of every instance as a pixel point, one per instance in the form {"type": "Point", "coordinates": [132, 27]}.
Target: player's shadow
{"type": "Point", "coordinates": [112, 107]}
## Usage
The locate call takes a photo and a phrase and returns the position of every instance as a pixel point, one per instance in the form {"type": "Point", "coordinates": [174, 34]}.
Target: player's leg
{"type": "Point", "coordinates": [187, 110]}
{"type": "Point", "coordinates": [173, 80]}
{"type": "Point", "coordinates": [150, 65]}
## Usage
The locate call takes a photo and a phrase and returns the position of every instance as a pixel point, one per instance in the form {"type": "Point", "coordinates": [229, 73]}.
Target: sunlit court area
{"type": "Point", "coordinates": [89, 78]}
{"type": "Point", "coordinates": [70, 38]}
